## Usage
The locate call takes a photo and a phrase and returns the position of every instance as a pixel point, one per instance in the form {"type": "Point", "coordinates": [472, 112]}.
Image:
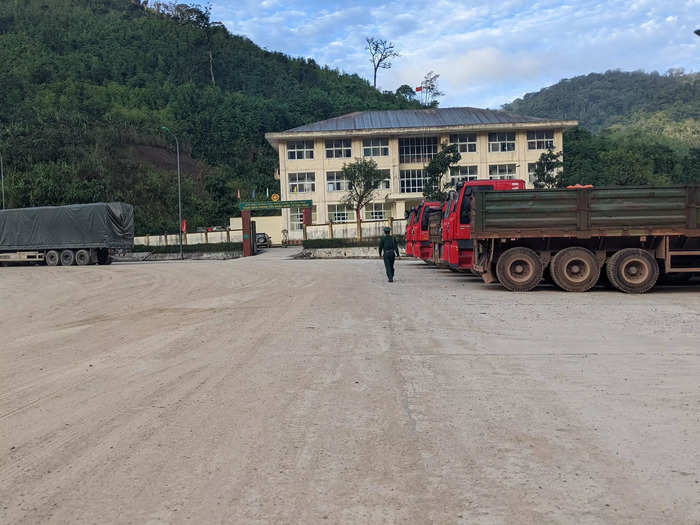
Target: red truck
{"type": "Point", "coordinates": [422, 247]}
{"type": "Point", "coordinates": [457, 242]}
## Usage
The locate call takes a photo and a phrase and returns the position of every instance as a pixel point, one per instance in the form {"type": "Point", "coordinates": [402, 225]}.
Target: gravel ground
{"type": "Point", "coordinates": [268, 390]}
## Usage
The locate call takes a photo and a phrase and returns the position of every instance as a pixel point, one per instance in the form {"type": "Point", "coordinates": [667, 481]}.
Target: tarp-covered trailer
{"type": "Point", "coordinates": [634, 234]}
{"type": "Point", "coordinates": [66, 235]}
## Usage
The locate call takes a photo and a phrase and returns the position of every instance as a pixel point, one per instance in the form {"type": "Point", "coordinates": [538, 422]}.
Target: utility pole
{"type": "Point", "coordinates": [179, 190]}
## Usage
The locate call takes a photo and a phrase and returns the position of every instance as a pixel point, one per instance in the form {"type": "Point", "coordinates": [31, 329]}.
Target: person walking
{"type": "Point", "coordinates": [389, 249]}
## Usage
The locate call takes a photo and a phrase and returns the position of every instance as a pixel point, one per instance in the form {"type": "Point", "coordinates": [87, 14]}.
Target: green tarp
{"type": "Point", "coordinates": [99, 225]}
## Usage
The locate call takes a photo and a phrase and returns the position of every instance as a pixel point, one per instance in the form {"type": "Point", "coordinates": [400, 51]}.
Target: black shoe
{"type": "Point", "coordinates": [391, 280]}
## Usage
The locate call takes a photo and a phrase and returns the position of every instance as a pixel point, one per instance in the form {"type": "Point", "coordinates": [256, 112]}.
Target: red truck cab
{"type": "Point", "coordinates": [422, 247]}
{"type": "Point", "coordinates": [447, 223]}
{"type": "Point", "coordinates": [409, 231]}
{"type": "Point", "coordinates": [458, 242]}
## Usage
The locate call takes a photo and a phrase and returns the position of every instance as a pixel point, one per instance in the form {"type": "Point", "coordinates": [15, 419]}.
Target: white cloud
{"type": "Point", "coordinates": [485, 53]}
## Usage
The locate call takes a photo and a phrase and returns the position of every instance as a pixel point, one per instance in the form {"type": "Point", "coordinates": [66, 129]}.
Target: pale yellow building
{"type": "Point", "coordinates": [493, 145]}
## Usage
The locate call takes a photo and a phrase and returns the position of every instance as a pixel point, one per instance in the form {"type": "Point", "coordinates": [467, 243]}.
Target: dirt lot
{"type": "Point", "coordinates": [269, 390]}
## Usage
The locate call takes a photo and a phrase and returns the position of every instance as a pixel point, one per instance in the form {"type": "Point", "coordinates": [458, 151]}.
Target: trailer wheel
{"type": "Point", "coordinates": [519, 269]}
{"type": "Point", "coordinates": [632, 270]}
{"type": "Point", "coordinates": [52, 258]}
{"type": "Point", "coordinates": [575, 269]}
{"type": "Point", "coordinates": [67, 258]}
{"type": "Point", "coordinates": [82, 257]}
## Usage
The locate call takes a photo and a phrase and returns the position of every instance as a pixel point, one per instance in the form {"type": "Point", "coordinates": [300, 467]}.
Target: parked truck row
{"type": "Point", "coordinates": [628, 237]}
{"type": "Point", "coordinates": [79, 234]}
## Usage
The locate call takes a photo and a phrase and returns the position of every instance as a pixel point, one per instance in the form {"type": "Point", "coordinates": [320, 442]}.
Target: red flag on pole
{"type": "Point", "coordinates": [419, 88]}
{"type": "Point", "coordinates": [183, 226]}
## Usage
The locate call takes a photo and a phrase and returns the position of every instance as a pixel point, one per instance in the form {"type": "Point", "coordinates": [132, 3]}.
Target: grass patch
{"type": "Point", "coordinates": [372, 242]}
{"type": "Point", "coordinates": [192, 248]}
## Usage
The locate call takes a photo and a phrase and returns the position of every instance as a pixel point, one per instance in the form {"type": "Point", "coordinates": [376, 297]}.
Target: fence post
{"type": "Point", "coordinates": [166, 239]}
{"type": "Point", "coordinates": [184, 238]}
{"type": "Point", "coordinates": [148, 239]}
{"type": "Point", "coordinates": [228, 235]}
{"type": "Point", "coordinates": [206, 237]}
{"type": "Point", "coordinates": [305, 235]}
{"type": "Point", "coordinates": [330, 229]}
{"type": "Point", "coordinates": [391, 223]}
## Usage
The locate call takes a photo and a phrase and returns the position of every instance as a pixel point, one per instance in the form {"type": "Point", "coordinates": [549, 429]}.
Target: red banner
{"type": "Point", "coordinates": [183, 226]}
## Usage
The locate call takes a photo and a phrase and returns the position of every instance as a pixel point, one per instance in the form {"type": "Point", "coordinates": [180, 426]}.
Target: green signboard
{"type": "Point", "coordinates": [272, 205]}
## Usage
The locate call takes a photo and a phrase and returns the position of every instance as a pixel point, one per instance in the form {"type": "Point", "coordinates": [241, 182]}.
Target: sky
{"type": "Point", "coordinates": [486, 52]}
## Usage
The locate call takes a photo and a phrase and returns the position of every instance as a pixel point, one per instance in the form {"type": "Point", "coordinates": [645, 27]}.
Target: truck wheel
{"type": "Point", "coordinates": [575, 269]}
{"type": "Point", "coordinates": [519, 269]}
{"type": "Point", "coordinates": [52, 258]}
{"type": "Point", "coordinates": [67, 257]}
{"type": "Point", "coordinates": [82, 257]}
{"type": "Point", "coordinates": [632, 270]}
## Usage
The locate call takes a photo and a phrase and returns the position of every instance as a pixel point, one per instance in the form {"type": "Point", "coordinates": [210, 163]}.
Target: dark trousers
{"type": "Point", "coordinates": [389, 259]}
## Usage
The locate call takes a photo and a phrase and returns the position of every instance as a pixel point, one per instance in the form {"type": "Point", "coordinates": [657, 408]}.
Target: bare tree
{"type": "Point", "coordinates": [363, 180]}
{"type": "Point", "coordinates": [381, 52]}
{"type": "Point", "coordinates": [430, 89]}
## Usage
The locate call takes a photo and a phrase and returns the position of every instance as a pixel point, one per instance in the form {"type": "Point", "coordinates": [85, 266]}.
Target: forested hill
{"type": "Point", "coordinates": [601, 100]}
{"type": "Point", "coordinates": [86, 85]}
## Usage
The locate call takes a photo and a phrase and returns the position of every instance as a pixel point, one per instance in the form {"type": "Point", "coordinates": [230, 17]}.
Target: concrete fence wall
{"type": "Point", "coordinates": [341, 230]}
{"type": "Point", "coordinates": [348, 230]}
{"type": "Point", "coordinates": [190, 238]}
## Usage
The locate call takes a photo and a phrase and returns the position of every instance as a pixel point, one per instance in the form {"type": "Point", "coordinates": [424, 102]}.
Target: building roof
{"type": "Point", "coordinates": [407, 121]}
{"type": "Point", "coordinates": [414, 118]}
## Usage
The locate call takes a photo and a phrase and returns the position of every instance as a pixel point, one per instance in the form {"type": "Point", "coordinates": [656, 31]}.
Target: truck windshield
{"type": "Point", "coordinates": [450, 204]}
{"type": "Point", "coordinates": [466, 205]}
{"type": "Point", "coordinates": [426, 217]}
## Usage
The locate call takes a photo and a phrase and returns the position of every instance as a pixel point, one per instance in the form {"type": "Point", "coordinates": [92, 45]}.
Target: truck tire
{"type": "Point", "coordinates": [82, 257]}
{"type": "Point", "coordinates": [519, 269]}
{"type": "Point", "coordinates": [575, 269]}
{"type": "Point", "coordinates": [632, 270]}
{"type": "Point", "coordinates": [52, 258]}
{"type": "Point", "coordinates": [67, 258]}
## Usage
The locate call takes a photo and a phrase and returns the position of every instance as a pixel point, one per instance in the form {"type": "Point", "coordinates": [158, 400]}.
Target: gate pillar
{"type": "Point", "coordinates": [247, 233]}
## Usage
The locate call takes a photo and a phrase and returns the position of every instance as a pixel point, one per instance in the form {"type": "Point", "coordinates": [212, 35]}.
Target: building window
{"type": "Point", "coordinates": [340, 213]}
{"type": "Point", "coordinates": [417, 149]}
{"type": "Point", "coordinates": [502, 171]}
{"type": "Point", "coordinates": [462, 173]}
{"type": "Point", "coordinates": [336, 181]}
{"type": "Point", "coordinates": [338, 149]}
{"type": "Point", "coordinates": [375, 147]}
{"type": "Point", "coordinates": [377, 211]}
{"type": "Point", "coordinates": [531, 170]}
{"type": "Point", "coordinates": [296, 218]}
{"type": "Point", "coordinates": [302, 182]}
{"type": "Point", "coordinates": [411, 181]}
{"type": "Point", "coordinates": [465, 143]}
{"type": "Point", "coordinates": [385, 183]}
{"type": "Point", "coordinates": [302, 149]}
{"type": "Point", "coordinates": [540, 139]}
{"type": "Point", "coordinates": [501, 141]}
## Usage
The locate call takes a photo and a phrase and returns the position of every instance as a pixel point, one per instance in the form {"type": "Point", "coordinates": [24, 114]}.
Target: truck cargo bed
{"type": "Point", "coordinates": [586, 213]}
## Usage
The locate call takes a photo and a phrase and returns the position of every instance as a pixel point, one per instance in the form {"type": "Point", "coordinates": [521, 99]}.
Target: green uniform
{"type": "Point", "coordinates": [389, 248]}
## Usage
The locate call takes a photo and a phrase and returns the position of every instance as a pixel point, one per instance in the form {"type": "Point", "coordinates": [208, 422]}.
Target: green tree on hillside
{"type": "Point", "coordinates": [86, 85]}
